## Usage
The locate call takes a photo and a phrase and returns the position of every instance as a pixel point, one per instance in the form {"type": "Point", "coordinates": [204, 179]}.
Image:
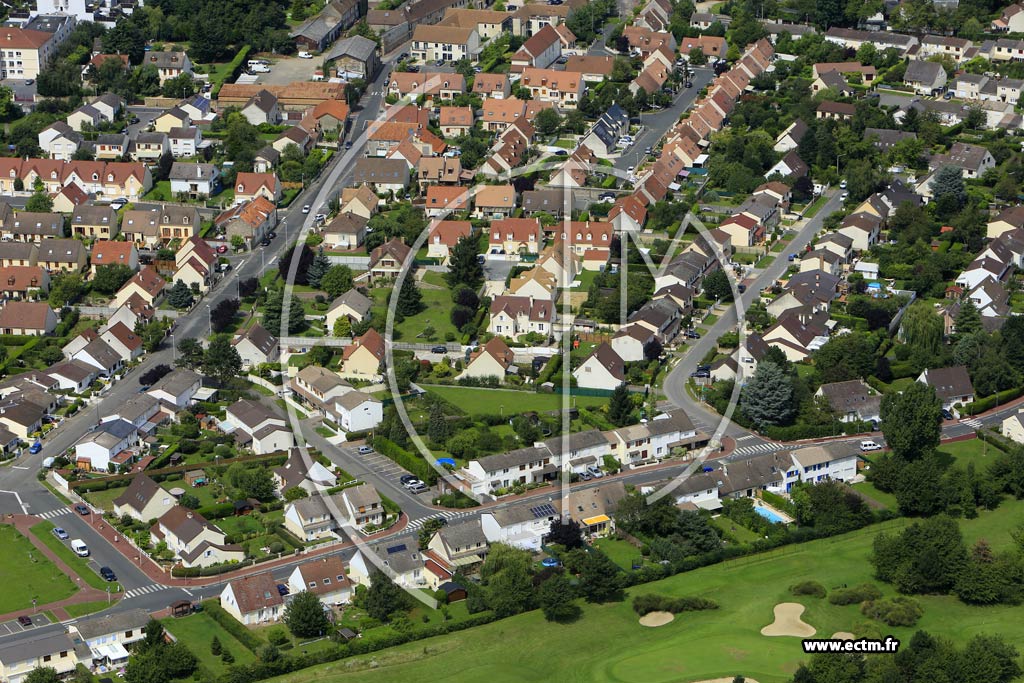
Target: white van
{"type": "Point", "coordinates": [869, 446]}
{"type": "Point", "coordinates": [80, 548]}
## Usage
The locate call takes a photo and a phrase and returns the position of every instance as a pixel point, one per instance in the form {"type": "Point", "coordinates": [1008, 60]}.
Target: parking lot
{"type": "Point", "coordinates": [285, 70]}
{"type": "Point", "coordinates": [9, 628]}
{"type": "Point", "coordinates": [380, 465]}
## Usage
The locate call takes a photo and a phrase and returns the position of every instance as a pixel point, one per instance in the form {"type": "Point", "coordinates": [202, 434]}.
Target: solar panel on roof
{"type": "Point", "coordinates": [545, 510]}
{"type": "Point", "coordinates": [396, 549]}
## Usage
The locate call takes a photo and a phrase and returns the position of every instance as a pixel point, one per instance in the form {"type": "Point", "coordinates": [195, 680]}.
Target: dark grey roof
{"type": "Point", "coordinates": [372, 170]}
{"type": "Point", "coordinates": [110, 624]}
{"type": "Point", "coordinates": [260, 338]}
{"type": "Point", "coordinates": [60, 250]}
{"type": "Point", "coordinates": [175, 382]}
{"type": "Point", "coordinates": [356, 47]}
{"type": "Point", "coordinates": [185, 171]}
{"type": "Point", "coordinates": [353, 299]}
{"type": "Point", "coordinates": [20, 650]}
{"type": "Point", "coordinates": [465, 534]}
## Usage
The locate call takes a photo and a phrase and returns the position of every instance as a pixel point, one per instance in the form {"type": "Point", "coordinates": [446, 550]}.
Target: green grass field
{"type": "Point", "coordinates": [63, 551]}
{"type": "Point", "coordinates": [82, 609]}
{"type": "Point", "coordinates": [197, 630]}
{"type": "Point", "coordinates": [888, 500]}
{"type": "Point", "coordinates": [977, 451]}
{"type": "Point", "coordinates": [607, 643]}
{"type": "Point", "coordinates": [496, 401]}
{"type": "Point", "coordinates": [33, 578]}
{"type": "Point", "coordinates": [621, 552]}
{"type": "Point", "coordinates": [436, 313]}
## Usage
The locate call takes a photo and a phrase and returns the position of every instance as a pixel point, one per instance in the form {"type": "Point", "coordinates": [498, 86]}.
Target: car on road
{"type": "Point", "coordinates": [869, 446]}
{"type": "Point", "coordinates": [271, 235]}
{"type": "Point", "coordinates": [630, 170]}
{"type": "Point", "coordinates": [35, 448]}
{"type": "Point", "coordinates": [348, 144]}
{"type": "Point", "coordinates": [793, 257]}
{"type": "Point", "coordinates": [283, 590]}
{"type": "Point", "coordinates": [946, 415]}
{"type": "Point", "coordinates": [439, 349]}
{"type": "Point", "coordinates": [439, 62]}
{"type": "Point", "coordinates": [25, 621]}
{"type": "Point", "coordinates": [692, 334]}
{"type": "Point", "coordinates": [700, 374]}
{"type": "Point", "coordinates": [305, 208]}
{"type": "Point", "coordinates": [594, 471]}
{"type": "Point", "coordinates": [30, 81]}
{"type": "Point", "coordinates": [222, 249]}
{"type": "Point", "coordinates": [82, 509]}
{"type": "Point", "coordinates": [60, 533]}
{"type": "Point", "coordinates": [108, 574]}
{"type": "Point", "coordinates": [264, 242]}
{"type": "Point", "coordinates": [842, 185]}
{"type": "Point", "coordinates": [134, 119]}
{"type": "Point", "coordinates": [844, 196]}
{"type": "Point", "coordinates": [364, 450]}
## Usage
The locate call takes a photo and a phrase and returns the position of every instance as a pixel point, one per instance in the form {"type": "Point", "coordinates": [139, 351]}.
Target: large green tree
{"type": "Point", "coordinates": [921, 328]}
{"type": "Point", "coordinates": [221, 360]}
{"type": "Point", "coordinates": [464, 266]}
{"type": "Point", "coordinates": [507, 577]}
{"type": "Point", "coordinates": [555, 597]}
{"type": "Point", "coordinates": [304, 616]}
{"type": "Point", "coordinates": [274, 309]}
{"type": "Point", "coordinates": [336, 281]}
{"type": "Point", "coordinates": [768, 398]}
{"type": "Point", "coordinates": [384, 598]}
{"type": "Point", "coordinates": [109, 279]}
{"type": "Point", "coordinates": [911, 421]}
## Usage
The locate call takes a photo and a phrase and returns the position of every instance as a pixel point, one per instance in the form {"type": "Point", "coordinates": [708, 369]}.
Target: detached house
{"type": "Point", "coordinates": [515, 316]}
{"type": "Point", "coordinates": [493, 360]}
{"type": "Point", "coordinates": [602, 369]}
{"type": "Point", "coordinates": [143, 500]}
{"type": "Point", "coordinates": [253, 599]}
{"type": "Point", "coordinates": [257, 427]}
{"type": "Point", "coordinates": [324, 577]}
{"type": "Point", "coordinates": [364, 356]}
{"type": "Point", "coordinates": [386, 261]}
{"type": "Point", "coordinates": [952, 386]}
{"type": "Point", "coordinates": [249, 186]}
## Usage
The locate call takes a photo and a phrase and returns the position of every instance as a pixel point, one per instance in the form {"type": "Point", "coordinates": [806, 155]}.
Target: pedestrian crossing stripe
{"type": "Point", "coordinates": [973, 422]}
{"type": "Point", "coordinates": [446, 514]}
{"type": "Point", "coordinates": [747, 437]}
{"type": "Point", "coordinates": [143, 590]}
{"type": "Point", "coordinates": [52, 514]}
{"type": "Point", "coordinates": [759, 448]}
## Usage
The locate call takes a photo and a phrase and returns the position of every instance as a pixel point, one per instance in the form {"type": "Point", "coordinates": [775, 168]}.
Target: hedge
{"type": "Point", "coordinates": [645, 604]}
{"type": "Point", "coordinates": [804, 431]}
{"type": "Point", "coordinates": [855, 595]}
{"type": "Point", "coordinates": [812, 588]}
{"type": "Point", "coordinates": [549, 369]}
{"type": "Point", "coordinates": [990, 402]}
{"type": "Point", "coordinates": [995, 439]}
{"type": "Point", "coordinates": [234, 68]}
{"type": "Point", "coordinates": [232, 625]}
{"type": "Point", "coordinates": [406, 460]}
{"type": "Point", "coordinates": [778, 502]}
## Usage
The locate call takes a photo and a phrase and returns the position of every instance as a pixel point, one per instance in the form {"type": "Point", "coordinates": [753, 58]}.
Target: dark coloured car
{"type": "Point", "coordinates": [108, 574]}
{"type": "Point", "coordinates": [946, 415]}
{"type": "Point", "coordinates": [407, 478]}
{"type": "Point", "coordinates": [265, 242]}
{"type": "Point", "coordinates": [282, 590]}
{"type": "Point", "coordinates": [439, 349]}
{"type": "Point", "coordinates": [25, 621]}
{"type": "Point", "coordinates": [692, 334]}
{"type": "Point", "coordinates": [82, 509]}
{"type": "Point", "coordinates": [271, 235]}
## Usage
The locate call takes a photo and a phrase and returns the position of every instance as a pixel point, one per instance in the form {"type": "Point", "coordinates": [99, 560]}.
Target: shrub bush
{"type": "Point", "coordinates": [246, 637]}
{"type": "Point", "coordinates": [812, 588]}
{"type": "Point", "coordinates": [897, 611]}
{"type": "Point", "coordinates": [852, 596]}
{"type": "Point", "coordinates": [647, 603]}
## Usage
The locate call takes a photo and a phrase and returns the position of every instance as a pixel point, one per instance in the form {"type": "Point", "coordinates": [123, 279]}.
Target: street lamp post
{"type": "Point", "coordinates": [174, 349]}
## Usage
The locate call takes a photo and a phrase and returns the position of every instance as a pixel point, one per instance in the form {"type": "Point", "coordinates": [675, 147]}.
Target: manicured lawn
{"type": "Point", "coordinates": [84, 608]}
{"type": "Point", "coordinates": [977, 451]}
{"type": "Point", "coordinates": [607, 643]}
{"type": "Point", "coordinates": [886, 499]}
{"type": "Point", "coordinates": [742, 534]}
{"type": "Point", "coordinates": [622, 553]}
{"type": "Point", "coordinates": [764, 262]}
{"type": "Point", "coordinates": [161, 192]}
{"type": "Point", "coordinates": [197, 630]}
{"type": "Point", "coordinates": [495, 401]}
{"type": "Point", "coordinates": [436, 313]}
{"type": "Point", "coordinates": [780, 246]}
{"type": "Point", "coordinates": [815, 207]}
{"type": "Point", "coordinates": [29, 578]}
{"type": "Point", "coordinates": [79, 564]}
{"type": "Point", "coordinates": [105, 499]}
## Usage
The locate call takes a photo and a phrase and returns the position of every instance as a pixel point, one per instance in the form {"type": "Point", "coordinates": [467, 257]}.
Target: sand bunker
{"type": "Point", "coordinates": [788, 622]}
{"type": "Point", "coordinates": [843, 635]}
{"type": "Point", "coordinates": [730, 679]}
{"type": "Point", "coordinates": [653, 619]}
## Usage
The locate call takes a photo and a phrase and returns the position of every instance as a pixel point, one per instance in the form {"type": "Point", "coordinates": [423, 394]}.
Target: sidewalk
{"type": "Point", "coordinates": [85, 592]}
{"type": "Point", "coordinates": [157, 573]}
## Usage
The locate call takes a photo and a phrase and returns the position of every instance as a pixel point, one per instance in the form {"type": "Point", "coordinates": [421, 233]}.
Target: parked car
{"type": "Point", "coordinates": [305, 208]}
{"type": "Point", "coordinates": [60, 533]}
{"type": "Point", "coordinates": [35, 448]}
{"type": "Point", "coordinates": [417, 487]}
{"type": "Point", "coordinates": [439, 62]}
{"type": "Point", "coordinates": [363, 450]}
{"type": "Point", "coordinates": [282, 590]}
{"type": "Point", "coordinates": [82, 509]}
{"type": "Point", "coordinates": [869, 446]}
{"type": "Point", "coordinates": [305, 55]}
{"type": "Point", "coordinates": [271, 235]}
{"type": "Point", "coordinates": [594, 471]}
{"type": "Point", "coordinates": [585, 476]}
{"type": "Point", "coordinates": [701, 374]}
{"type": "Point", "coordinates": [406, 478]}
{"type": "Point", "coordinates": [25, 621]}
{"type": "Point", "coordinates": [222, 249]}
{"type": "Point", "coordinates": [946, 415]}
{"type": "Point", "coordinates": [108, 574]}
{"type": "Point", "coordinates": [439, 349]}
{"type": "Point", "coordinates": [264, 242]}
{"type": "Point", "coordinates": [562, 153]}
{"type": "Point", "coordinates": [348, 144]}
{"type": "Point", "coordinates": [692, 334]}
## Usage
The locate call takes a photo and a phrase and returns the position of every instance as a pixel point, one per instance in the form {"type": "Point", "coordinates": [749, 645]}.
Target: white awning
{"type": "Point", "coordinates": [113, 652]}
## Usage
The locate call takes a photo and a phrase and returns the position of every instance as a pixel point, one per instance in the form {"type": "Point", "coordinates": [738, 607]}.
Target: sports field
{"type": "Point", "coordinates": [608, 644]}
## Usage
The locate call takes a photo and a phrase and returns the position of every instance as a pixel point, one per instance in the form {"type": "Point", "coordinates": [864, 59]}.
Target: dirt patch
{"type": "Point", "coordinates": [654, 619]}
{"type": "Point", "coordinates": [788, 622]}
{"type": "Point", "coordinates": [843, 635]}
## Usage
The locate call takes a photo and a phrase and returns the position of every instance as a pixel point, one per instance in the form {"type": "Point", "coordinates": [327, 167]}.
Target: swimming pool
{"type": "Point", "coordinates": [770, 515]}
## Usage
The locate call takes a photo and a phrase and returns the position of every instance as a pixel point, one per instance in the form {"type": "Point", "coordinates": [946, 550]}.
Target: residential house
{"type": "Point", "coordinates": [346, 231]}
{"type": "Point", "coordinates": [249, 186]}
{"type": "Point", "coordinates": [364, 356]}
{"type": "Point", "coordinates": [108, 636]}
{"type": "Point", "coordinates": [494, 201]}
{"type": "Point", "coordinates": [455, 121]}
{"type": "Point", "coordinates": [62, 255]}
{"type": "Point", "coordinates": [184, 142]}
{"type": "Point", "coordinates": [363, 505]}
{"type": "Point", "coordinates": [496, 86]}
{"type": "Point", "coordinates": [602, 369]}
{"type": "Point", "coordinates": [175, 117]}
{"type": "Point", "coordinates": [387, 260]}
{"type": "Point", "coordinates": [53, 650]}
{"type": "Point", "coordinates": [926, 78]}
{"type": "Point", "coordinates": [143, 500]}
{"type": "Point", "coordinates": [836, 111]}
{"type": "Point", "coordinates": [325, 577]}
{"type": "Point", "coordinates": [352, 304]}
{"type": "Point", "coordinates": [102, 356]}
{"type": "Point", "coordinates": [494, 359]}
{"type": "Point", "coordinates": [59, 141]}
{"type": "Point", "coordinates": [147, 284]}
{"type": "Point", "coordinates": [177, 388]}
{"type": "Point", "coordinates": [169, 65]}
{"type": "Point", "coordinates": [400, 557]}
{"type": "Point", "coordinates": [358, 412]}
{"type": "Point", "coordinates": [523, 526]}
{"type": "Point", "coordinates": [952, 385]}
{"type": "Point", "coordinates": [27, 318]}
{"type": "Point", "coordinates": [443, 237]}
{"type": "Point", "coordinates": [562, 88]}
{"type": "Point", "coordinates": [23, 282]}
{"type": "Point", "coordinates": [790, 166]}
{"type": "Point", "coordinates": [310, 518]}
{"type": "Point", "coordinates": [196, 181]}
{"type": "Point", "coordinates": [360, 201]}
{"type": "Point", "coordinates": [448, 43]}
{"type": "Point", "coordinates": [141, 228]}
{"type": "Point", "coordinates": [852, 400]}
{"type": "Point", "coordinates": [355, 57]}
{"type": "Point", "coordinates": [256, 346]}
{"type": "Point", "coordinates": [253, 599]}
{"type": "Point", "coordinates": [98, 448]}
{"type": "Point", "coordinates": [252, 221]}
{"type": "Point", "coordinates": [318, 387]}
{"type": "Point", "coordinates": [460, 544]}
{"type": "Point", "coordinates": [302, 471]}
{"type": "Point", "coordinates": [18, 253]}
{"type": "Point", "coordinates": [95, 222]}
{"type": "Point", "coordinates": [515, 236]}
{"type": "Point", "coordinates": [123, 341]}
{"type": "Point", "coordinates": [1011, 20]}
{"type": "Point", "coordinates": [515, 316]}
{"type": "Point", "coordinates": [257, 427]}
{"type": "Point", "coordinates": [383, 175]}
{"type": "Point", "coordinates": [540, 50]}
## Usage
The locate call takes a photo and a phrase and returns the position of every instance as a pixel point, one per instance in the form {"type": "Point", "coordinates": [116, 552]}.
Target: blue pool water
{"type": "Point", "coordinates": [770, 515]}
